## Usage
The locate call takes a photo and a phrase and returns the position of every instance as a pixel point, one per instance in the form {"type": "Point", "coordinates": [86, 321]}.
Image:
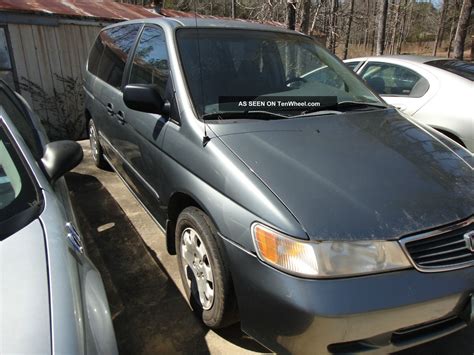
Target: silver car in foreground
{"type": "Point", "coordinates": [434, 91]}
{"type": "Point", "coordinates": [52, 299]}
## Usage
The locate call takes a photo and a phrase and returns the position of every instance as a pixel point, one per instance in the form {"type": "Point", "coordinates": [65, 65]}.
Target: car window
{"type": "Point", "coordinates": [458, 67]}
{"type": "Point", "coordinates": [95, 55]}
{"type": "Point", "coordinates": [234, 63]}
{"type": "Point", "coordinates": [6, 63]}
{"type": "Point", "coordinates": [394, 80]}
{"type": "Point", "coordinates": [20, 118]}
{"type": "Point", "coordinates": [117, 42]}
{"type": "Point", "coordinates": [150, 64]}
{"type": "Point", "coordinates": [17, 191]}
{"type": "Point", "coordinates": [352, 65]}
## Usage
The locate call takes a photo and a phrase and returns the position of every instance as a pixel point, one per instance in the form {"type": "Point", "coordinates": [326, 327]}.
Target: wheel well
{"type": "Point", "coordinates": [452, 136]}
{"type": "Point", "coordinates": [178, 202]}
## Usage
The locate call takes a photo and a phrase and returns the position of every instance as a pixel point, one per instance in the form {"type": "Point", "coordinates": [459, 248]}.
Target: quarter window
{"type": "Point", "coordinates": [394, 80]}
{"type": "Point", "coordinates": [117, 43]}
{"type": "Point", "coordinates": [22, 121]}
{"type": "Point", "coordinates": [150, 64]}
{"type": "Point", "coordinates": [95, 55]}
{"type": "Point", "coordinates": [6, 65]}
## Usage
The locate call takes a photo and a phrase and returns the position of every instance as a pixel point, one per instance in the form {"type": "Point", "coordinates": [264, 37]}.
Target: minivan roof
{"type": "Point", "coordinates": [177, 22]}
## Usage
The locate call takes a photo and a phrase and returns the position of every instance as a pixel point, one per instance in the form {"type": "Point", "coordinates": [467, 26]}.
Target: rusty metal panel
{"type": "Point", "coordinates": [101, 9]}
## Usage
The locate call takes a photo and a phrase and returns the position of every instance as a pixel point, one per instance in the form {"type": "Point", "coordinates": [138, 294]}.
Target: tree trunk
{"type": "Point", "coordinates": [402, 27]}
{"type": "Point", "coordinates": [407, 27]}
{"type": "Point", "coordinates": [316, 13]}
{"type": "Point", "coordinates": [367, 25]}
{"type": "Point", "coordinates": [374, 29]}
{"type": "Point", "coordinates": [452, 32]}
{"type": "Point", "coordinates": [381, 27]}
{"type": "Point", "coordinates": [291, 14]}
{"type": "Point", "coordinates": [395, 28]}
{"type": "Point", "coordinates": [232, 8]}
{"type": "Point", "coordinates": [306, 12]}
{"type": "Point", "coordinates": [472, 48]}
{"type": "Point", "coordinates": [349, 24]}
{"type": "Point", "coordinates": [439, 34]}
{"type": "Point", "coordinates": [461, 30]}
{"type": "Point", "coordinates": [332, 27]}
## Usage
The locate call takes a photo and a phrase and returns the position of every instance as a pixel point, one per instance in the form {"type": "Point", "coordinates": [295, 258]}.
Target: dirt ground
{"type": "Point", "coordinates": [142, 281]}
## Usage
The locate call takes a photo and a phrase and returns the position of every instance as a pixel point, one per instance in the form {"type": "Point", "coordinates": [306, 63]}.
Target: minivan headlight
{"type": "Point", "coordinates": [326, 259]}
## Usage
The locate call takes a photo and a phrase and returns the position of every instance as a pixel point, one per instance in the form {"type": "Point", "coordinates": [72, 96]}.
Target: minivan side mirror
{"type": "Point", "coordinates": [60, 157]}
{"type": "Point", "coordinates": [145, 98]}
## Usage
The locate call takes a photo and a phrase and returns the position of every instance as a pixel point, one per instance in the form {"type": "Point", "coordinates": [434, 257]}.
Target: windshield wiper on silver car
{"type": "Point", "coordinates": [343, 105]}
{"type": "Point", "coordinates": [252, 114]}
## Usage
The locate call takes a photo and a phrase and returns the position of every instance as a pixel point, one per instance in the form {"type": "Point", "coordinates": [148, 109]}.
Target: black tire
{"type": "Point", "coordinates": [223, 311]}
{"type": "Point", "coordinates": [96, 148]}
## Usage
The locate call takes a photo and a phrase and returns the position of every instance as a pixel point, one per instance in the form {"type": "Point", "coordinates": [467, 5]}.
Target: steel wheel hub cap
{"type": "Point", "coordinates": [197, 267]}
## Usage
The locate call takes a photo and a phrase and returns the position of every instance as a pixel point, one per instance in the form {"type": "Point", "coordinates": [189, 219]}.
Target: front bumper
{"type": "Point", "coordinates": [378, 313]}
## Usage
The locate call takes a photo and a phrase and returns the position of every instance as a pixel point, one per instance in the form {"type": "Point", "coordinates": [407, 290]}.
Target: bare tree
{"type": "Point", "coordinates": [439, 34]}
{"type": "Point", "coordinates": [332, 26]}
{"type": "Point", "coordinates": [461, 30]}
{"type": "Point", "coordinates": [381, 27]}
{"type": "Point", "coordinates": [233, 8]}
{"type": "Point", "coordinates": [348, 30]}
{"type": "Point", "coordinates": [367, 24]}
{"type": "Point", "coordinates": [454, 17]}
{"type": "Point", "coordinates": [291, 14]}
{"type": "Point", "coordinates": [315, 16]}
{"type": "Point", "coordinates": [395, 30]}
{"type": "Point", "coordinates": [305, 15]}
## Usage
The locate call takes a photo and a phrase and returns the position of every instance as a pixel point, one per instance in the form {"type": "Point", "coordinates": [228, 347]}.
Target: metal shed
{"type": "Point", "coordinates": [44, 46]}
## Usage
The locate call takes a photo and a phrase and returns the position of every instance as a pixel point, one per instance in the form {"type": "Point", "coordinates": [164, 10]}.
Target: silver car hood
{"type": "Point", "coordinates": [24, 297]}
{"type": "Point", "coordinates": [353, 176]}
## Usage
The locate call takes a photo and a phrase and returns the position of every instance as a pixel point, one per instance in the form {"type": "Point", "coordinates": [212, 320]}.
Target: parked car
{"type": "Point", "coordinates": [341, 229]}
{"type": "Point", "coordinates": [434, 91]}
{"type": "Point", "coordinates": [52, 299]}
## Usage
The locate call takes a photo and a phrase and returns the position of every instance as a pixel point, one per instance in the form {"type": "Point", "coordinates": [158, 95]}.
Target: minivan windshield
{"type": "Point", "coordinates": [235, 63]}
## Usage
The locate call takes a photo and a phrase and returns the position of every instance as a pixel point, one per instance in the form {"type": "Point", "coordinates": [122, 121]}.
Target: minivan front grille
{"type": "Point", "coordinates": [448, 248]}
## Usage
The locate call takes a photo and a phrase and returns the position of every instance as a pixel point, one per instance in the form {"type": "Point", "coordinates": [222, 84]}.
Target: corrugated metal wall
{"type": "Point", "coordinates": [41, 53]}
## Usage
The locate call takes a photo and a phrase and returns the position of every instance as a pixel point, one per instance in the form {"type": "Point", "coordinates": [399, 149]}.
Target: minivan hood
{"type": "Point", "coordinates": [353, 176]}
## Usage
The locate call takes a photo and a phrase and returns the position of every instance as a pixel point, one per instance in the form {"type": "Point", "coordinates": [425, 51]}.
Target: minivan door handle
{"type": "Point", "coordinates": [110, 109]}
{"type": "Point", "coordinates": [121, 117]}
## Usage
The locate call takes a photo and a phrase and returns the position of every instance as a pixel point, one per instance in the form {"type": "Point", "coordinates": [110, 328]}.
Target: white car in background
{"type": "Point", "coordinates": [436, 92]}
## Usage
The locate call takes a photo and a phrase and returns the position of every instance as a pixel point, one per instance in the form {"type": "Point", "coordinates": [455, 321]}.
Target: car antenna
{"type": "Point", "coordinates": [205, 138]}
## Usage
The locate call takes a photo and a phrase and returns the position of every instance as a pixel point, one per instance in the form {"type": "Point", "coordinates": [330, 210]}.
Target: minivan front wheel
{"type": "Point", "coordinates": [96, 149]}
{"type": "Point", "coordinates": [204, 274]}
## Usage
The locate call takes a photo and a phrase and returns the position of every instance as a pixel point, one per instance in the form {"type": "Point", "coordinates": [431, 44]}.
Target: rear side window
{"type": "Point", "coordinates": [94, 56]}
{"type": "Point", "coordinates": [352, 65]}
{"type": "Point", "coordinates": [394, 80]}
{"type": "Point", "coordinates": [117, 42]}
{"type": "Point", "coordinates": [458, 67]}
{"type": "Point", "coordinates": [150, 64]}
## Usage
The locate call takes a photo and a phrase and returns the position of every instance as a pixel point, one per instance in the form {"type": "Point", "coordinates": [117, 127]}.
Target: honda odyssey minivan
{"type": "Point", "coordinates": [311, 211]}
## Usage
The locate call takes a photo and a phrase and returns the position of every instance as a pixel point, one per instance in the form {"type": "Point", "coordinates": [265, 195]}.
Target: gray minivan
{"type": "Point", "coordinates": [338, 228]}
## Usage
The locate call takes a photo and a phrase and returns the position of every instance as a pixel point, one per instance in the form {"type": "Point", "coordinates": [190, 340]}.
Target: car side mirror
{"type": "Point", "coordinates": [145, 98]}
{"type": "Point", "coordinates": [60, 157]}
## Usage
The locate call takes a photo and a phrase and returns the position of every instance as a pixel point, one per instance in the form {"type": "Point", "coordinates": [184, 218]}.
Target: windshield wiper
{"type": "Point", "coordinates": [343, 105]}
{"type": "Point", "coordinates": [253, 114]}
